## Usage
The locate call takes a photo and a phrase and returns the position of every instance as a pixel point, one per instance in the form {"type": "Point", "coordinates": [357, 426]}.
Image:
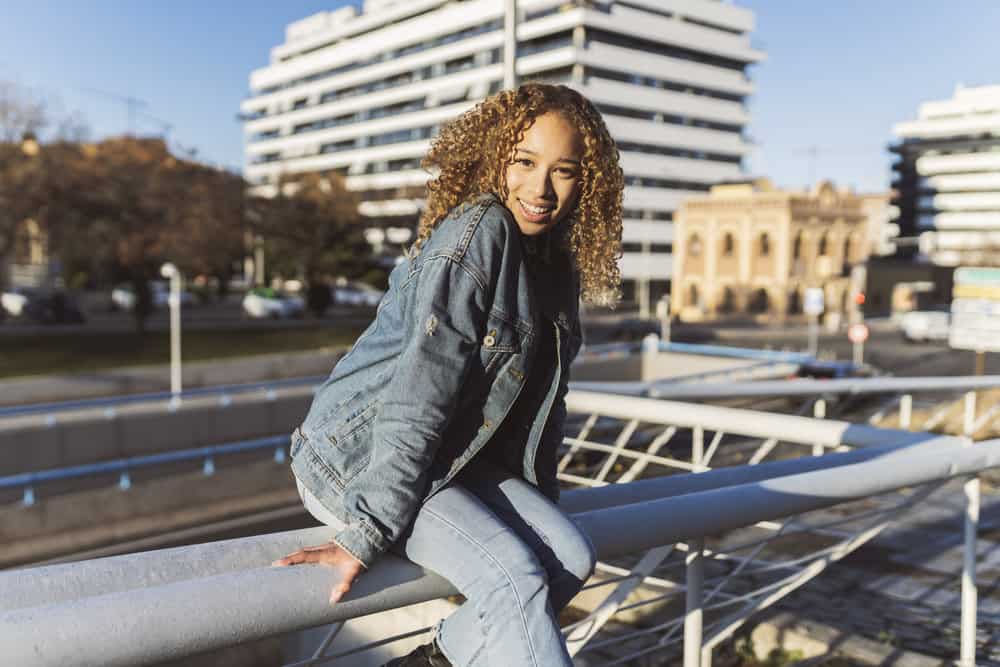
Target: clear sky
{"type": "Point", "coordinates": [838, 73]}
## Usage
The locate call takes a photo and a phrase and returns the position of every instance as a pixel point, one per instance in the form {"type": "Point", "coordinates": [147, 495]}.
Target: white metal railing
{"type": "Point", "coordinates": [703, 529]}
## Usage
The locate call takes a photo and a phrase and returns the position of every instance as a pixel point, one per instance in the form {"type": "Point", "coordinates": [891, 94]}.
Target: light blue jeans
{"type": "Point", "coordinates": [516, 558]}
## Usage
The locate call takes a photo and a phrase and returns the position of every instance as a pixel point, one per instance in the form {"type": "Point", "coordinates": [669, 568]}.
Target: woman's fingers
{"type": "Point", "coordinates": [340, 590]}
{"type": "Point", "coordinates": [327, 554]}
{"type": "Point", "coordinates": [290, 559]}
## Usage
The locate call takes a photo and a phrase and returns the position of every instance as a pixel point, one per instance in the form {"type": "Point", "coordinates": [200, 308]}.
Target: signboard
{"type": "Point", "coordinates": [975, 310]}
{"type": "Point", "coordinates": [857, 333]}
{"type": "Point", "coordinates": [812, 301]}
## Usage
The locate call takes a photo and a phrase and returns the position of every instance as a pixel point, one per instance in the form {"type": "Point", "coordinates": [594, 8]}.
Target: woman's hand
{"type": "Point", "coordinates": [331, 555]}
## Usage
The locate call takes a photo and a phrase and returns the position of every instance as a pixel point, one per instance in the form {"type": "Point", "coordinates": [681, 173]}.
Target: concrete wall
{"type": "Point", "coordinates": [38, 442]}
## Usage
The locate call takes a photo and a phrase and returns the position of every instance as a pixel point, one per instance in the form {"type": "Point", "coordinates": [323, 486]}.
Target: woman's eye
{"type": "Point", "coordinates": [524, 162]}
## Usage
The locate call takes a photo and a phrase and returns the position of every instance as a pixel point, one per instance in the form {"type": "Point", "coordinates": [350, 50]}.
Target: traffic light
{"type": "Point", "coordinates": [859, 298]}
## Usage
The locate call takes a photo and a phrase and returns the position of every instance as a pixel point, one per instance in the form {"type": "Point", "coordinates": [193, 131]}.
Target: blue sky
{"type": "Point", "coordinates": [838, 74]}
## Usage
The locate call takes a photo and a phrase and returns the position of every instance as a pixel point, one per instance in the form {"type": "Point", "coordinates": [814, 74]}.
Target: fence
{"type": "Point", "coordinates": [689, 505]}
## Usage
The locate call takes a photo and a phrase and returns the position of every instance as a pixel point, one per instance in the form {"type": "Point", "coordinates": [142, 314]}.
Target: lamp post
{"type": "Point", "coordinates": [170, 271]}
{"type": "Point", "coordinates": [510, 45]}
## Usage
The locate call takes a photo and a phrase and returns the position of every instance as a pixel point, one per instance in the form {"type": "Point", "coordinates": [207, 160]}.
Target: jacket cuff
{"type": "Point", "coordinates": [361, 544]}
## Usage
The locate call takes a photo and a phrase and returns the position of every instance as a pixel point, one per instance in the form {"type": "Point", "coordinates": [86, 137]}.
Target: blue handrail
{"type": "Point", "coordinates": [124, 466]}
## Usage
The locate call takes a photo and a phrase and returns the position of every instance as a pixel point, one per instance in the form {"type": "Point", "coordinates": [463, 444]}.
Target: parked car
{"type": "Point", "coordinates": [123, 296]}
{"type": "Point", "coordinates": [925, 325]}
{"type": "Point", "coordinates": [15, 299]}
{"type": "Point", "coordinates": [42, 306]}
{"type": "Point", "coordinates": [267, 302]}
{"type": "Point", "coordinates": [356, 294]}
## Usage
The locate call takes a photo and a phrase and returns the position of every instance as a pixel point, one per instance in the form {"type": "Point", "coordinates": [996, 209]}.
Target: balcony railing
{"type": "Point", "coordinates": [689, 503]}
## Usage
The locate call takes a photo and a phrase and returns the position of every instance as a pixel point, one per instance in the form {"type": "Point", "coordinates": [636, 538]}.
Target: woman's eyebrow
{"type": "Point", "coordinates": [562, 159]}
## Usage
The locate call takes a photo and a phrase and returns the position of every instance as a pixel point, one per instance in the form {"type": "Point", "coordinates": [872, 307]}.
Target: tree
{"type": "Point", "coordinates": [205, 234]}
{"type": "Point", "coordinates": [313, 229]}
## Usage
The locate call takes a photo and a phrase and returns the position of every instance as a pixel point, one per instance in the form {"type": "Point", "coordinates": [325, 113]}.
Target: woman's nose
{"type": "Point", "coordinates": [541, 185]}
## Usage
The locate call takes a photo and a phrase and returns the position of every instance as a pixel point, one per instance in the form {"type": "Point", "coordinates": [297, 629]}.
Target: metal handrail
{"type": "Point", "coordinates": [799, 387]}
{"type": "Point", "coordinates": [125, 465]}
{"type": "Point", "coordinates": [65, 613]}
{"type": "Point", "coordinates": [152, 397]}
{"type": "Point", "coordinates": [790, 428]}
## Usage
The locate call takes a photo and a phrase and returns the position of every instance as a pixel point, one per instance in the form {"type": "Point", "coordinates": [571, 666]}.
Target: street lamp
{"type": "Point", "coordinates": [170, 271]}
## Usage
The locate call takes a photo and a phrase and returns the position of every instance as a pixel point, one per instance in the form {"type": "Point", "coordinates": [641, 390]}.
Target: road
{"type": "Point", "coordinates": [215, 316]}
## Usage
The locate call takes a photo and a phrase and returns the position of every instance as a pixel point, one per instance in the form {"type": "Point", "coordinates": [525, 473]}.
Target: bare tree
{"type": "Point", "coordinates": [22, 113]}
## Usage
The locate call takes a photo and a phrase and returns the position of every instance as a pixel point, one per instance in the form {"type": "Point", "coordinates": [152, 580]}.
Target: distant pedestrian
{"type": "Point", "coordinates": [436, 436]}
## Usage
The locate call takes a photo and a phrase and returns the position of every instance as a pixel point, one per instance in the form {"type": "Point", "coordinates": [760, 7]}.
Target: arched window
{"type": "Point", "coordinates": [728, 245]}
{"type": "Point", "coordinates": [728, 301]}
{"type": "Point", "coordinates": [823, 246]}
{"type": "Point", "coordinates": [694, 245]}
{"type": "Point", "coordinates": [694, 297]}
{"type": "Point", "coordinates": [765, 245]}
{"type": "Point", "coordinates": [797, 246]}
{"type": "Point", "coordinates": [794, 303]}
{"type": "Point", "coordinates": [847, 249]}
{"type": "Point", "coordinates": [759, 302]}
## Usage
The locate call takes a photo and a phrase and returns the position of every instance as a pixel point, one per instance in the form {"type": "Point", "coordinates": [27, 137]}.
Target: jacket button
{"type": "Point", "coordinates": [490, 340]}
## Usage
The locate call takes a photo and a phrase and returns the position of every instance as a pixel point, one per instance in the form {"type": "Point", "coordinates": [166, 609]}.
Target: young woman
{"type": "Point", "coordinates": [436, 435]}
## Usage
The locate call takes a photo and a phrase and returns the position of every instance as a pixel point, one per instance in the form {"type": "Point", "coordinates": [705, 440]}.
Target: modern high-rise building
{"type": "Point", "coordinates": [947, 178]}
{"type": "Point", "coordinates": [363, 93]}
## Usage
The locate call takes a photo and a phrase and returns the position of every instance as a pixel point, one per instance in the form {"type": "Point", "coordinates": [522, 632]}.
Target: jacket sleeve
{"type": "Point", "coordinates": [552, 435]}
{"type": "Point", "coordinates": [446, 323]}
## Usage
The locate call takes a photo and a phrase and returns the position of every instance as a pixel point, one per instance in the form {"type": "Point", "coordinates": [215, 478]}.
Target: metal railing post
{"type": "Point", "coordinates": [967, 656]}
{"type": "Point", "coordinates": [819, 412]}
{"type": "Point", "coordinates": [697, 445]}
{"type": "Point", "coordinates": [905, 411]}
{"type": "Point", "coordinates": [693, 615]}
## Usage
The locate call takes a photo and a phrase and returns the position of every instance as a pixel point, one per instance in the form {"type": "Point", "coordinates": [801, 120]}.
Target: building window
{"type": "Point", "coordinates": [759, 302]}
{"type": "Point", "coordinates": [797, 246]}
{"type": "Point", "coordinates": [694, 245]}
{"type": "Point", "coordinates": [794, 303]}
{"type": "Point", "coordinates": [694, 297]}
{"type": "Point", "coordinates": [765, 245]}
{"type": "Point", "coordinates": [728, 245]}
{"type": "Point", "coordinates": [847, 250]}
{"type": "Point", "coordinates": [728, 302]}
{"type": "Point", "coordinates": [823, 246]}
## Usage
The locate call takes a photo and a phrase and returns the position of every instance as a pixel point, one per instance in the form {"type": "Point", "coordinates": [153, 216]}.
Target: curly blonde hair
{"type": "Point", "coordinates": [473, 151]}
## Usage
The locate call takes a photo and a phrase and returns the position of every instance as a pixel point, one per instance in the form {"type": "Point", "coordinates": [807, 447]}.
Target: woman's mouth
{"type": "Point", "coordinates": [535, 213]}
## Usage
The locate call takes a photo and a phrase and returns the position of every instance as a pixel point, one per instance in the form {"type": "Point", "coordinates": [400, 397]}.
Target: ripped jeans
{"type": "Point", "coordinates": [516, 558]}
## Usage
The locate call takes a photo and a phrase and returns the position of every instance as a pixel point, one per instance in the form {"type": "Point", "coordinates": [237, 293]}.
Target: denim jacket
{"type": "Point", "coordinates": [434, 375]}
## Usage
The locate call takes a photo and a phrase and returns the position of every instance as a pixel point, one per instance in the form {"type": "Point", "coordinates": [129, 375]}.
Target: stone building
{"type": "Point", "coordinates": [750, 251]}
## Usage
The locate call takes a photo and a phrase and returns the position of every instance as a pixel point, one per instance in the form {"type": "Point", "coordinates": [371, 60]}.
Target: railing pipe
{"type": "Point", "coordinates": [152, 397]}
{"type": "Point", "coordinates": [125, 465]}
{"type": "Point", "coordinates": [970, 593]}
{"type": "Point", "coordinates": [801, 387]}
{"type": "Point", "coordinates": [694, 562]}
{"type": "Point", "coordinates": [752, 423]}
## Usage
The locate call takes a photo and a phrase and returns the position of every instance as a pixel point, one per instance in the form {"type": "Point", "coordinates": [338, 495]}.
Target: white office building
{"type": "Point", "coordinates": [363, 93]}
{"type": "Point", "coordinates": [947, 179]}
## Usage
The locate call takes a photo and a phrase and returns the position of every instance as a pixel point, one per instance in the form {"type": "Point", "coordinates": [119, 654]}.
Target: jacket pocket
{"type": "Point", "coordinates": [500, 342]}
{"type": "Point", "coordinates": [347, 447]}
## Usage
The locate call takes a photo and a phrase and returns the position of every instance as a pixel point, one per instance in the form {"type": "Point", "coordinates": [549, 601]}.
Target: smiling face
{"type": "Point", "coordinates": [544, 178]}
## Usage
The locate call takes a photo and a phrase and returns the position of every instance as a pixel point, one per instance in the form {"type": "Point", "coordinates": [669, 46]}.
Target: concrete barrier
{"type": "Point", "coordinates": [37, 442]}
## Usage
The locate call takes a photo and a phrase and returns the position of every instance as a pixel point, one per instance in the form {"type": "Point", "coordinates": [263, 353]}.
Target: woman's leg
{"type": "Point", "coordinates": [504, 582]}
{"type": "Point", "coordinates": [564, 552]}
